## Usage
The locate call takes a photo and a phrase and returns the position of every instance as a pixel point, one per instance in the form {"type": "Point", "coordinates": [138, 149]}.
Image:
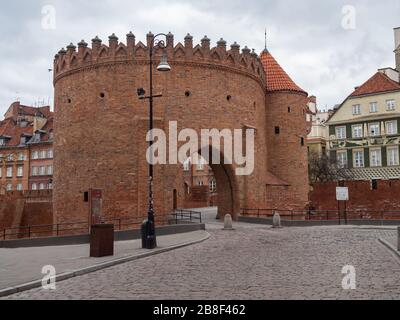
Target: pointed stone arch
{"type": "Point", "coordinates": [140, 49]}
{"type": "Point", "coordinates": [103, 53]}
{"type": "Point", "coordinates": [197, 53]}
{"type": "Point", "coordinates": [74, 61]}
{"type": "Point", "coordinates": [121, 51]}
{"type": "Point", "coordinates": [179, 51]}
{"type": "Point", "coordinates": [230, 59]}
{"type": "Point", "coordinates": [215, 55]}
{"type": "Point", "coordinates": [87, 58]}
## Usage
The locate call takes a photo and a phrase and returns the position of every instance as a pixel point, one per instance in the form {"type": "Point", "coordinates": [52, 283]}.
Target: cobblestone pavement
{"type": "Point", "coordinates": [252, 262]}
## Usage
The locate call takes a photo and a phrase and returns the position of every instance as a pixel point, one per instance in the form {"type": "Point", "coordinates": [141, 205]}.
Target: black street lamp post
{"type": "Point", "coordinates": [149, 240]}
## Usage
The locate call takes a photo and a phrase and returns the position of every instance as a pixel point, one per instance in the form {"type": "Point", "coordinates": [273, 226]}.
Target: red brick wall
{"type": "Point", "coordinates": [100, 142]}
{"type": "Point", "coordinates": [287, 158]}
{"type": "Point", "coordinates": [362, 197]}
{"type": "Point", "coordinates": [101, 126]}
{"type": "Point", "coordinates": [26, 208]}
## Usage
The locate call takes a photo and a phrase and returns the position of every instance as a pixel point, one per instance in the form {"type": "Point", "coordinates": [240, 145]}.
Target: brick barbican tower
{"type": "Point", "coordinates": [101, 125]}
{"type": "Point", "coordinates": [286, 107]}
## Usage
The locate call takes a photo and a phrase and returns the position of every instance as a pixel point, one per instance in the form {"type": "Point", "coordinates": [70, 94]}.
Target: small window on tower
{"type": "Point", "coordinates": [289, 109]}
{"type": "Point", "coordinates": [302, 141]}
{"type": "Point", "coordinates": [277, 130]}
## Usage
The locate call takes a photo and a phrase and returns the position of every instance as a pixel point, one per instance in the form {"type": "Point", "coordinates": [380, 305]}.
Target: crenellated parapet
{"type": "Point", "coordinates": [82, 56]}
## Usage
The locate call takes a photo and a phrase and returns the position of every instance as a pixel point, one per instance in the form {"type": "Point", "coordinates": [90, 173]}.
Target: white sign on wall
{"type": "Point", "coordinates": [342, 194]}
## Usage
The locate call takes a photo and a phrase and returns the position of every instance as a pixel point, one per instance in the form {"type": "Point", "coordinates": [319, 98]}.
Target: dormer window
{"type": "Point", "coordinates": [4, 140]}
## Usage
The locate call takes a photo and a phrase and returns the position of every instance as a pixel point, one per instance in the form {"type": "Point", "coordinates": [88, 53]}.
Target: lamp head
{"type": "Point", "coordinates": [164, 65]}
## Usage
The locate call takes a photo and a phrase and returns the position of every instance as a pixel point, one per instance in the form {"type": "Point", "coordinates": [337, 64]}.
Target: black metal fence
{"type": "Point", "coordinates": [68, 228]}
{"type": "Point", "coordinates": [83, 227]}
{"type": "Point", "coordinates": [324, 215]}
{"type": "Point", "coordinates": [182, 215]}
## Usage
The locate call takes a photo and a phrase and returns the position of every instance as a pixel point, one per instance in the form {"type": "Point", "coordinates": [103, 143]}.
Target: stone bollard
{"type": "Point", "coordinates": [276, 220]}
{"type": "Point", "coordinates": [228, 224]}
{"type": "Point", "coordinates": [398, 238]}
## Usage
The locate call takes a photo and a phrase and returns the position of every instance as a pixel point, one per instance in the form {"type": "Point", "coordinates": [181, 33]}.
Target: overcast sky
{"type": "Point", "coordinates": [306, 37]}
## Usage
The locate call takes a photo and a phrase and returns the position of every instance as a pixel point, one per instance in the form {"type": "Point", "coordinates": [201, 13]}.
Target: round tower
{"type": "Point", "coordinates": [101, 125]}
{"type": "Point", "coordinates": [286, 138]}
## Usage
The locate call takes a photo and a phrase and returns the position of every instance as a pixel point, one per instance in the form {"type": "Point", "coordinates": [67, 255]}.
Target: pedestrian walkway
{"type": "Point", "coordinates": [249, 263]}
{"type": "Point", "coordinates": [19, 266]}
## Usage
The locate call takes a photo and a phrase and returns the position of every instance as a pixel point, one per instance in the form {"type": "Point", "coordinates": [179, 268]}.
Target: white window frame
{"type": "Point", "coordinates": [376, 133]}
{"type": "Point", "coordinates": [20, 171]}
{"type": "Point", "coordinates": [43, 154]}
{"type": "Point", "coordinates": [42, 186]}
{"type": "Point", "coordinates": [394, 127]}
{"type": "Point", "coordinates": [19, 187]}
{"type": "Point", "coordinates": [42, 171]}
{"type": "Point", "coordinates": [375, 162]}
{"type": "Point", "coordinates": [353, 127]}
{"type": "Point", "coordinates": [34, 186]}
{"type": "Point", "coordinates": [342, 159]}
{"type": "Point", "coordinates": [373, 107]}
{"type": "Point", "coordinates": [342, 130]}
{"type": "Point", "coordinates": [49, 170]}
{"type": "Point", "coordinates": [9, 187]}
{"type": "Point", "coordinates": [213, 186]}
{"type": "Point", "coordinates": [356, 109]}
{"type": "Point", "coordinates": [1, 172]}
{"type": "Point", "coordinates": [50, 154]}
{"type": "Point", "coordinates": [358, 163]}
{"type": "Point", "coordinates": [35, 155]}
{"type": "Point", "coordinates": [392, 159]}
{"type": "Point", "coordinates": [390, 105]}
{"type": "Point", "coordinates": [21, 157]}
{"type": "Point", "coordinates": [200, 164]}
{"type": "Point", "coordinates": [10, 172]}
{"type": "Point", "coordinates": [35, 171]}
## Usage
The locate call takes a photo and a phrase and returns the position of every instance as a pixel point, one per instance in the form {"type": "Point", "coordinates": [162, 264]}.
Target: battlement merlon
{"type": "Point", "coordinates": [76, 57]}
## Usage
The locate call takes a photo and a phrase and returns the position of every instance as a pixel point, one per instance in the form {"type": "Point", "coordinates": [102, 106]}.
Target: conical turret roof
{"type": "Point", "coordinates": [277, 79]}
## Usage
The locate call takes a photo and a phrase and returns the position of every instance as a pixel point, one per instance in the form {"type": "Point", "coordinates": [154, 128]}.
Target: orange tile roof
{"type": "Point", "coordinates": [378, 83]}
{"type": "Point", "coordinates": [9, 128]}
{"type": "Point", "coordinates": [277, 78]}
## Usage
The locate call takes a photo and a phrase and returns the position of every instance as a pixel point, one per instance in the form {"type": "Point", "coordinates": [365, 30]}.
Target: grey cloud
{"type": "Point", "coordinates": [305, 37]}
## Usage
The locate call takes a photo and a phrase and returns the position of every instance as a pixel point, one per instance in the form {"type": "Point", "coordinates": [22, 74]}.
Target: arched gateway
{"type": "Point", "coordinates": [101, 125]}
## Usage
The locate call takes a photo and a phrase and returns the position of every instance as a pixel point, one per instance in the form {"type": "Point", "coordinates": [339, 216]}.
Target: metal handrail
{"type": "Point", "coordinates": [184, 215]}
{"type": "Point", "coordinates": [374, 215]}
{"type": "Point", "coordinates": [58, 229]}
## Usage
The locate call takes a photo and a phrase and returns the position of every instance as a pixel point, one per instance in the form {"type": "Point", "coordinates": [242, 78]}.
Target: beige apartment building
{"type": "Point", "coordinates": [364, 130]}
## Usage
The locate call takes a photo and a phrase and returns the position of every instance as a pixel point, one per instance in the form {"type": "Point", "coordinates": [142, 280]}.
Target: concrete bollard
{"type": "Point", "coordinates": [228, 224]}
{"type": "Point", "coordinates": [276, 220]}
{"type": "Point", "coordinates": [398, 238]}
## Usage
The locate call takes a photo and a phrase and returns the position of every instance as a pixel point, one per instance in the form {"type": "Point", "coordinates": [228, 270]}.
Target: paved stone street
{"type": "Point", "coordinates": [22, 265]}
{"type": "Point", "coordinates": [252, 262]}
